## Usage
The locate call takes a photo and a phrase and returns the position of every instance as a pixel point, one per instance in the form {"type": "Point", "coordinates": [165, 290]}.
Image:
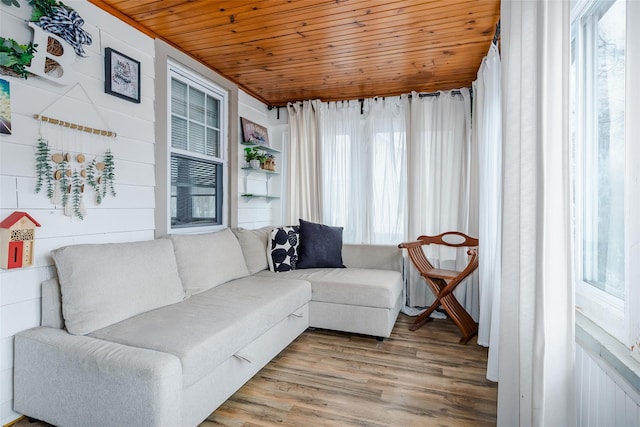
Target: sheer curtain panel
{"type": "Point", "coordinates": [487, 134]}
{"type": "Point", "coordinates": [439, 161]}
{"type": "Point", "coordinates": [536, 370]}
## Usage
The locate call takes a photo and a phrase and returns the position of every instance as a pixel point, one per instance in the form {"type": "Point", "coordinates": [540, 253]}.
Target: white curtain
{"type": "Point", "coordinates": [362, 145]}
{"type": "Point", "coordinates": [303, 185]}
{"type": "Point", "coordinates": [439, 185]}
{"type": "Point", "coordinates": [536, 369]}
{"type": "Point", "coordinates": [391, 169]}
{"type": "Point", "coordinates": [362, 156]}
{"type": "Point", "coordinates": [487, 134]}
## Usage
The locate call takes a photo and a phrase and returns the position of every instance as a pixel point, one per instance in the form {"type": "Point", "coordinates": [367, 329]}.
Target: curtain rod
{"type": "Point", "coordinates": [361, 100]}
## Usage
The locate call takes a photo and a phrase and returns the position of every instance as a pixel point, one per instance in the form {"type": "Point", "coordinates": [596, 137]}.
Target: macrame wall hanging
{"type": "Point", "coordinates": [69, 162]}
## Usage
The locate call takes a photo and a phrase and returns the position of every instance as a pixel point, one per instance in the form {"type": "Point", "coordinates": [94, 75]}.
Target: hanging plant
{"type": "Point", "coordinates": [44, 171]}
{"type": "Point", "coordinates": [76, 194]}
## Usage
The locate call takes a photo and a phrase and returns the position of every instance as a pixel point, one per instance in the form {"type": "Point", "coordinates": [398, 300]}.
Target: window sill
{"type": "Point", "coordinates": [611, 351]}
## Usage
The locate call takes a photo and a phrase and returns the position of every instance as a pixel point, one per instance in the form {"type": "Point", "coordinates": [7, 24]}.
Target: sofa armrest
{"type": "Point", "coordinates": [380, 257]}
{"type": "Point", "coordinates": [75, 380]}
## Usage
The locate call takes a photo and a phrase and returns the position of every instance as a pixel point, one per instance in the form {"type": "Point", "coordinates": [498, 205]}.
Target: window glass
{"type": "Point", "coordinates": [603, 237]}
{"type": "Point", "coordinates": [197, 165]}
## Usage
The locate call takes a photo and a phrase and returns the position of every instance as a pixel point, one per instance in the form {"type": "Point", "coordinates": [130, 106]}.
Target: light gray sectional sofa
{"type": "Point", "coordinates": [161, 332]}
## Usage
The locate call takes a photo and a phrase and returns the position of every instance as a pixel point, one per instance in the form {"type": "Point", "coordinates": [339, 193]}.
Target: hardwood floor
{"type": "Point", "coordinates": [324, 378]}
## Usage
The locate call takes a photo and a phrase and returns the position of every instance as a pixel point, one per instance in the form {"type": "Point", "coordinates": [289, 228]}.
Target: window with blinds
{"type": "Point", "coordinates": [197, 152]}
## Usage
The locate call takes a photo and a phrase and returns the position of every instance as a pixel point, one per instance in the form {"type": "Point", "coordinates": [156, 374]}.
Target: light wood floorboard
{"type": "Point", "coordinates": [324, 378]}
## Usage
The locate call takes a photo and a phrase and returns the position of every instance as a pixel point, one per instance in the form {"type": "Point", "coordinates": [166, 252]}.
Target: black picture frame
{"type": "Point", "coordinates": [121, 75]}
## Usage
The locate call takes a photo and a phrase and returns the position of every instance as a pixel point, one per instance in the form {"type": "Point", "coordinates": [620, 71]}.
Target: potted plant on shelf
{"type": "Point", "coordinates": [252, 157]}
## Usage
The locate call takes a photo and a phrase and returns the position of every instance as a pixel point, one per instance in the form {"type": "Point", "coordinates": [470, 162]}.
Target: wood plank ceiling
{"type": "Point", "coordinates": [290, 50]}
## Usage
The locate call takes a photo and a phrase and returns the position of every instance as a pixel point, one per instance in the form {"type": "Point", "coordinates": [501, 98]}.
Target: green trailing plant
{"type": "Point", "coordinates": [16, 56]}
{"type": "Point", "coordinates": [76, 194]}
{"type": "Point", "coordinates": [92, 180]}
{"type": "Point", "coordinates": [44, 171]}
{"type": "Point", "coordinates": [108, 174]}
{"type": "Point", "coordinates": [63, 167]}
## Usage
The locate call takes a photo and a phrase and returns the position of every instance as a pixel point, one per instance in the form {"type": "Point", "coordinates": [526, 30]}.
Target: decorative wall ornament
{"type": "Point", "coordinates": [55, 63]}
{"type": "Point", "coordinates": [121, 75]}
{"type": "Point", "coordinates": [64, 178]}
{"type": "Point", "coordinates": [17, 235]}
{"type": "Point", "coordinates": [64, 174]}
{"type": "Point", "coordinates": [61, 20]}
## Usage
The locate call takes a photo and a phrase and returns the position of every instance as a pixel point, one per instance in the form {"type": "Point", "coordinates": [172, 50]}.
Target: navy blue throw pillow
{"type": "Point", "coordinates": [320, 246]}
{"type": "Point", "coordinates": [284, 248]}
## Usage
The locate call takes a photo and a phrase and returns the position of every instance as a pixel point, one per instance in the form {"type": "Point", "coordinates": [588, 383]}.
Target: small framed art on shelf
{"type": "Point", "coordinates": [254, 133]}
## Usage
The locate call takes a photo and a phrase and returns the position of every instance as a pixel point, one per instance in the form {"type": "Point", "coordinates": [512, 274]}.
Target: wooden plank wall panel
{"type": "Point", "coordinates": [602, 397]}
{"type": "Point", "coordinates": [129, 216]}
{"type": "Point", "coordinates": [281, 51]}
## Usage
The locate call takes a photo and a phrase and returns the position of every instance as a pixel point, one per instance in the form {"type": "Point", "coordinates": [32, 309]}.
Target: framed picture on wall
{"type": "Point", "coordinates": [121, 75]}
{"type": "Point", "coordinates": [254, 133]}
{"type": "Point", "coordinates": [5, 107]}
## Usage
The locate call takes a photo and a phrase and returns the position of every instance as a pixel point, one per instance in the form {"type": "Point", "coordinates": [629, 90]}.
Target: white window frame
{"type": "Point", "coordinates": [619, 318]}
{"type": "Point", "coordinates": [182, 73]}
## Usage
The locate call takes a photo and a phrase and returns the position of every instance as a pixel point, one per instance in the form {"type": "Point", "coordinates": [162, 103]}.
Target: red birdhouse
{"type": "Point", "coordinates": [17, 233]}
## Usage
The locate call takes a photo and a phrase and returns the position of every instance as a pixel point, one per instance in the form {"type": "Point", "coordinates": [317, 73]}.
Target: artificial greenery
{"type": "Point", "coordinates": [63, 167]}
{"type": "Point", "coordinates": [43, 8]}
{"type": "Point", "coordinates": [76, 194]}
{"type": "Point", "coordinates": [92, 180]}
{"type": "Point", "coordinates": [108, 174]}
{"type": "Point", "coordinates": [44, 170]}
{"type": "Point", "coordinates": [100, 177]}
{"type": "Point", "coordinates": [16, 56]}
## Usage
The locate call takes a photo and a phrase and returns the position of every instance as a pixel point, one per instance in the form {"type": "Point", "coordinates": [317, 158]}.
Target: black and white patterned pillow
{"type": "Point", "coordinates": [284, 248]}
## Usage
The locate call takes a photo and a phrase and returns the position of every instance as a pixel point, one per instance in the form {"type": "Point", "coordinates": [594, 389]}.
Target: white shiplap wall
{"type": "Point", "coordinates": [129, 216]}
{"type": "Point", "coordinates": [603, 398]}
{"type": "Point", "coordinates": [255, 213]}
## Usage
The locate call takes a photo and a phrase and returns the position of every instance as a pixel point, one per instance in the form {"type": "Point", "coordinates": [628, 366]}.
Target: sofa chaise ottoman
{"type": "Point", "coordinates": [161, 332]}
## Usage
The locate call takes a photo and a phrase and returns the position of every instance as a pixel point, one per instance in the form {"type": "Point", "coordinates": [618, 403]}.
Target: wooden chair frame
{"type": "Point", "coordinates": [443, 282]}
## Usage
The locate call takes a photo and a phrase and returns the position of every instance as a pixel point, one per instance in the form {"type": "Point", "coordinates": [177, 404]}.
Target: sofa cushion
{"type": "Point", "coordinates": [102, 284]}
{"type": "Point", "coordinates": [253, 244]}
{"type": "Point", "coordinates": [210, 327]}
{"type": "Point", "coordinates": [283, 251]}
{"type": "Point", "coordinates": [352, 286]}
{"type": "Point", "coordinates": [320, 246]}
{"type": "Point", "coordinates": [209, 259]}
